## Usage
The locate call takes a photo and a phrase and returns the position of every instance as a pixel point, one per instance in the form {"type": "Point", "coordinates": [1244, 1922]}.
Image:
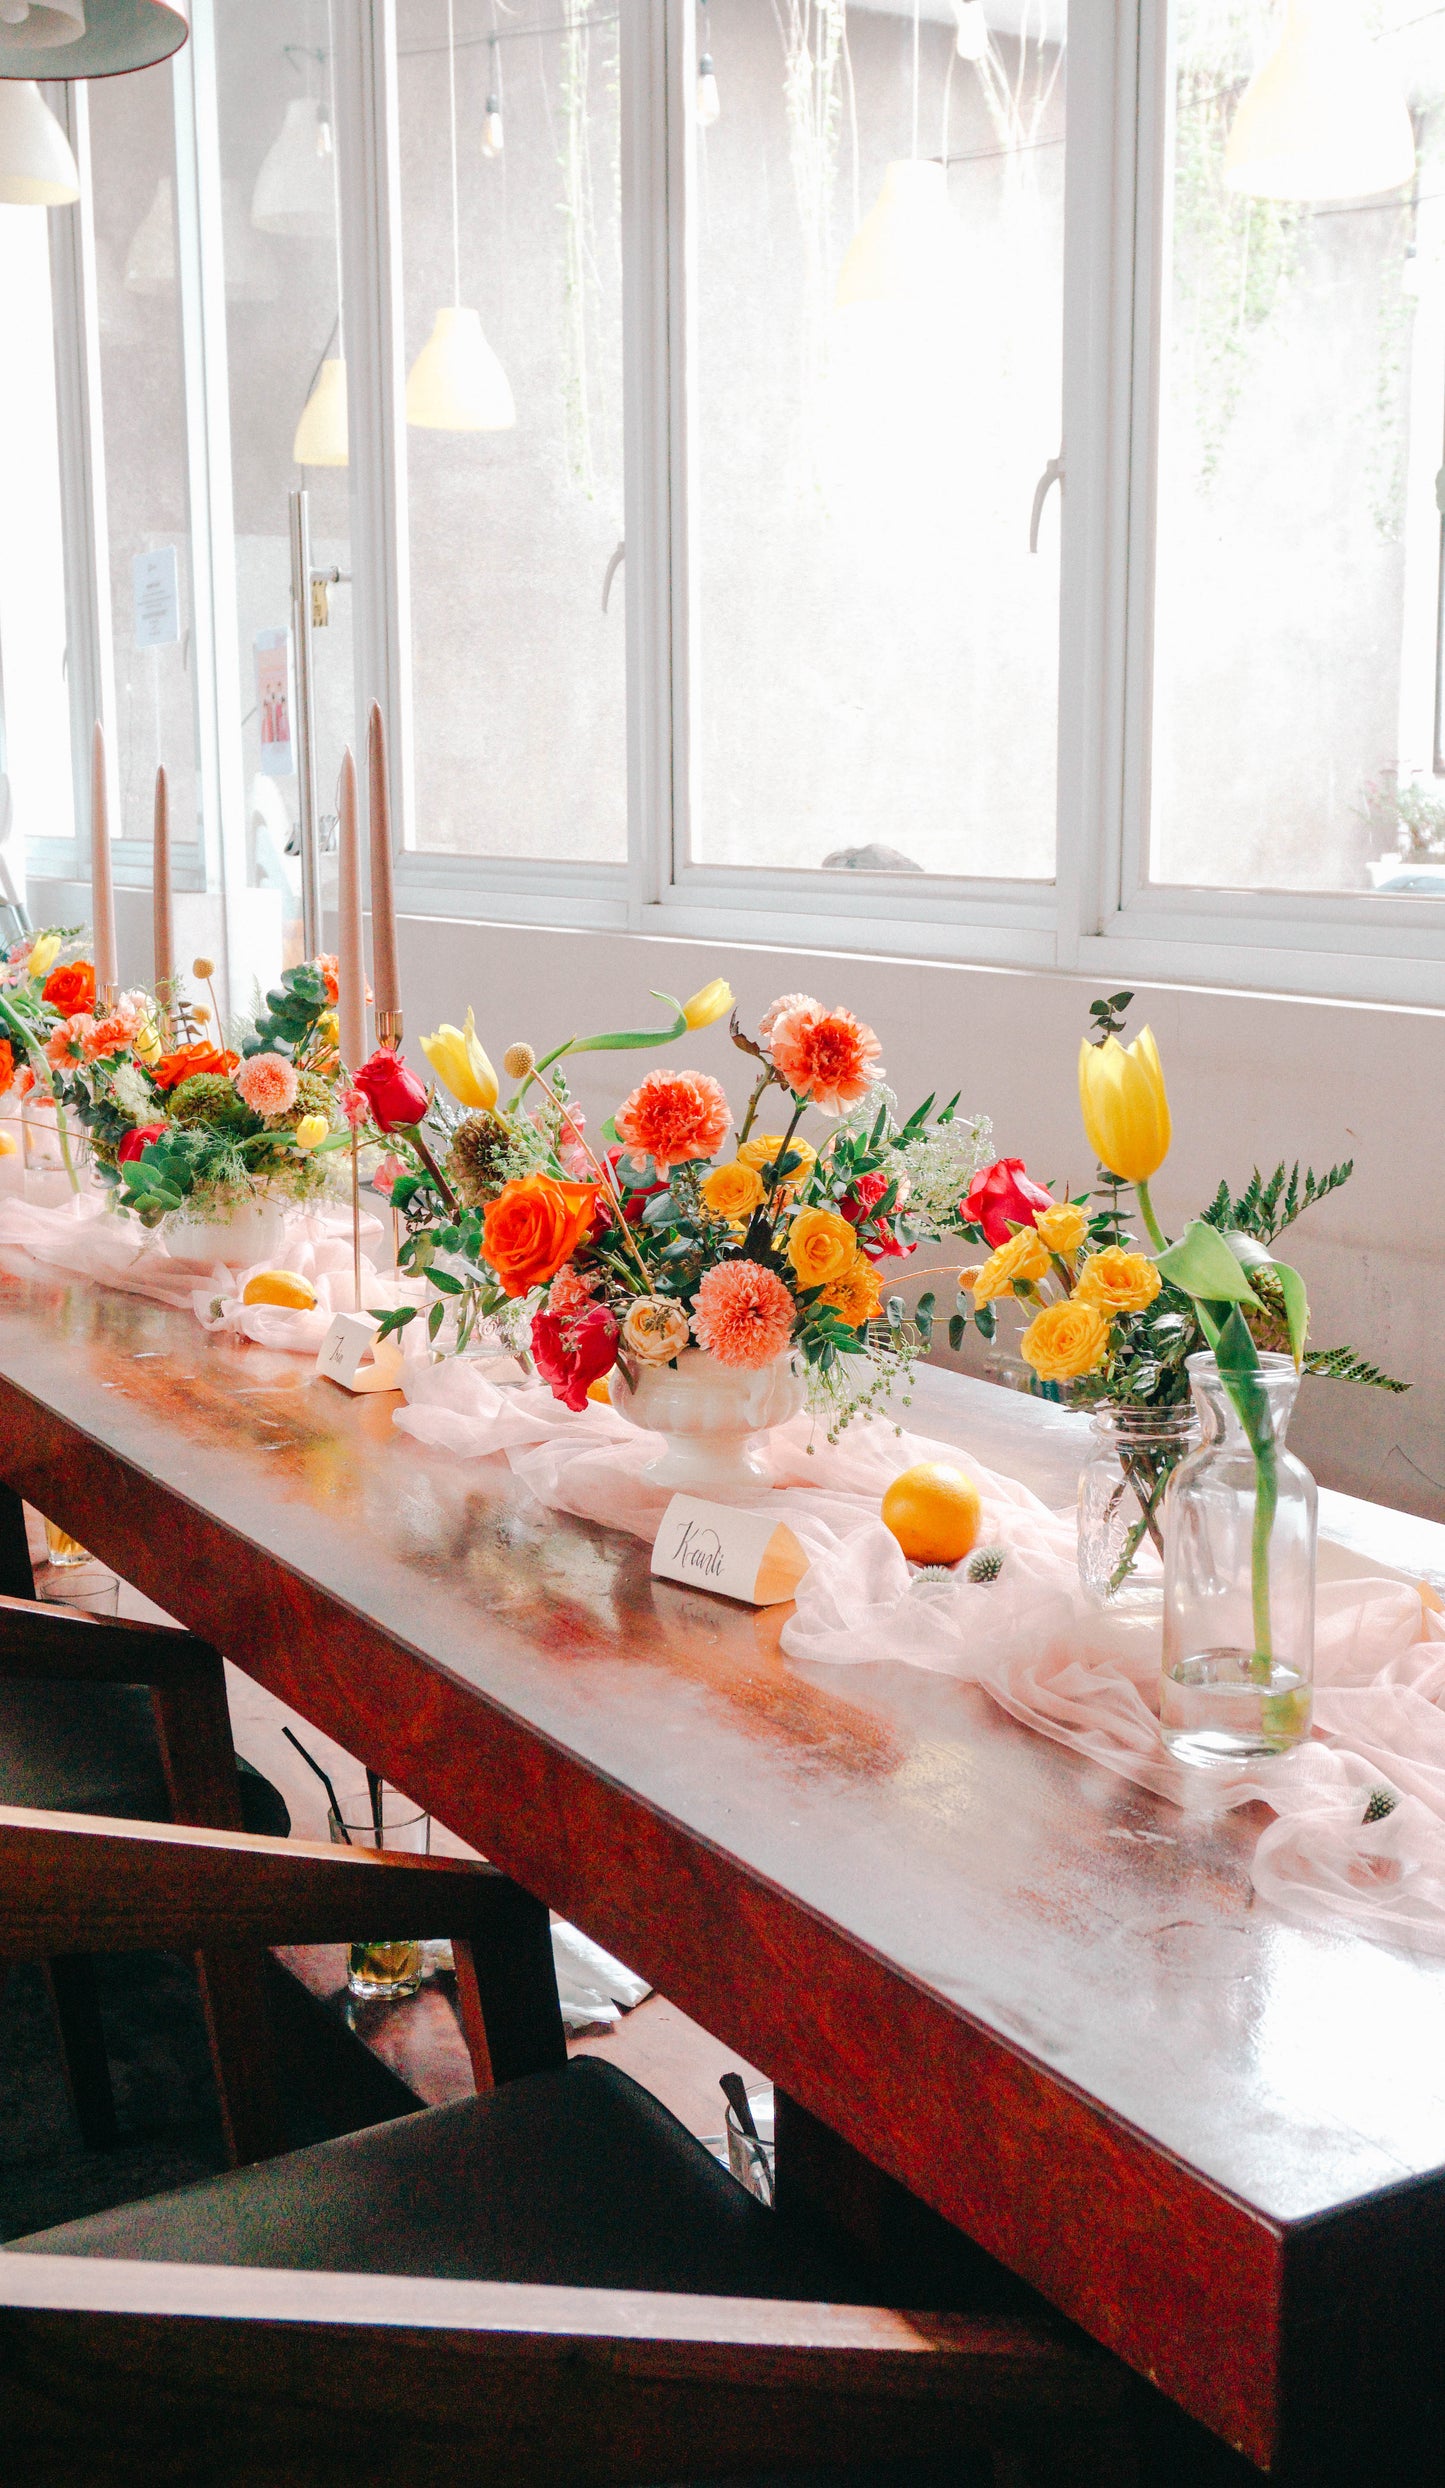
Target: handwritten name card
{"type": "Point", "coordinates": [352, 1355]}
{"type": "Point", "coordinates": [744, 1555]}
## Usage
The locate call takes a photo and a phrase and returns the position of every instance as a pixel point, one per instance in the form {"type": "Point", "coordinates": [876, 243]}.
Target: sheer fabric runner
{"type": "Point", "coordinates": [1030, 1643]}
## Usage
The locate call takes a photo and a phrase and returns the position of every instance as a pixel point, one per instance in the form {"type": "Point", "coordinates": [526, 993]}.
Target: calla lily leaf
{"type": "Point", "coordinates": [1296, 1306]}
{"type": "Point", "coordinates": [1202, 1265]}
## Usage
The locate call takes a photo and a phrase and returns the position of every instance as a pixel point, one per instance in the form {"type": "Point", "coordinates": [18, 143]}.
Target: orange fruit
{"type": "Point", "coordinates": [598, 1391]}
{"type": "Point", "coordinates": [934, 1513]}
{"type": "Point", "coordinates": [283, 1287]}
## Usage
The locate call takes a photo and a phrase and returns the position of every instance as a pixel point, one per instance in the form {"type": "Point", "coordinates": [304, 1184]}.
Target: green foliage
{"type": "Point", "coordinates": [1345, 1365]}
{"type": "Point", "coordinates": [292, 1010]}
{"type": "Point", "coordinates": [1268, 1205]}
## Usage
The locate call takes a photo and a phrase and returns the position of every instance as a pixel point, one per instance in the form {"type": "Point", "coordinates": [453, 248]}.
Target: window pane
{"type": "Point", "coordinates": [1298, 614]}
{"type": "Point", "coordinates": [517, 673]}
{"type": "Point", "coordinates": [147, 494]}
{"type": "Point", "coordinates": [34, 699]}
{"type": "Point", "coordinates": [879, 226]}
{"type": "Point", "coordinates": [285, 353]}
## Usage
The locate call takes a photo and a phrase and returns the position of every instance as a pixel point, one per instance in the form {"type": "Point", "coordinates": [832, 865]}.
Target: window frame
{"type": "Point", "coordinates": [1100, 916]}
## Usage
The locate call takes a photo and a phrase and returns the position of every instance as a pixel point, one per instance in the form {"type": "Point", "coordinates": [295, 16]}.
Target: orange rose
{"type": "Point", "coordinates": [71, 989]}
{"type": "Point", "coordinates": [190, 1060]}
{"type": "Point", "coordinates": [533, 1226]}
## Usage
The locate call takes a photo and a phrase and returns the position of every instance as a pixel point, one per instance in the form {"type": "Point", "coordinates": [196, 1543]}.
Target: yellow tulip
{"type": "Point", "coordinates": [147, 1044]}
{"type": "Point", "coordinates": [709, 1003]}
{"type": "Point", "coordinates": [43, 955]}
{"type": "Point", "coordinates": [461, 1066]}
{"type": "Point", "coordinates": [311, 1131]}
{"type": "Point", "coordinates": [1126, 1108]}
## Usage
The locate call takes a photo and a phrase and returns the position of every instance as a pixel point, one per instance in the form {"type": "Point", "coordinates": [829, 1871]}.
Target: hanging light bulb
{"type": "Point", "coordinates": [493, 138]}
{"type": "Point", "coordinates": [322, 438]}
{"type": "Point", "coordinates": [295, 189]}
{"type": "Point", "coordinates": [457, 383]}
{"type": "Point", "coordinates": [970, 40]}
{"type": "Point", "coordinates": [709, 102]}
{"type": "Point", "coordinates": [37, 168]}
{"type": "Point", "coordinates": [1324, 118]}
{"type": "Point", "coordinates": [87, 38]}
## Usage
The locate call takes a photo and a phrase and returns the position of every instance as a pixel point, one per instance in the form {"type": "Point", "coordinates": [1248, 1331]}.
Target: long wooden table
{"type": "Point", "coordinates": [1045, 2002]}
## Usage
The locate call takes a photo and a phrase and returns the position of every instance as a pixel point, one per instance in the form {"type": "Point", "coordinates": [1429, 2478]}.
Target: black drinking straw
{"type": "Point", "coordinates": [373, 1783]}
{"type": "Point", "coordinates": [314, 1765]}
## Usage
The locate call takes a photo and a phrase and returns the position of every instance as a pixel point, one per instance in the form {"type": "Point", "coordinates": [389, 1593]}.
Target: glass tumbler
{"type": "Point", "coordinates": [387, 1967]}
{"type": "Point", "coordinates": [1239, 1574]}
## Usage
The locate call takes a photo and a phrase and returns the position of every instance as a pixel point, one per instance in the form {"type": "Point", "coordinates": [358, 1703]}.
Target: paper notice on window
{"type": "Point", "coordinates": [273, 702]}
{"type": "Point", "coordinates": [156, 594]}
{"type": "Point", "coordinates": [744, 1555]}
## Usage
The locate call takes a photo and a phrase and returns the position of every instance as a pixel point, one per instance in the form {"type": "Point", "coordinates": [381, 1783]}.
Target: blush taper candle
{"type": "Point", "coordinates": [163, 940]}
{"type": "Point", "coordinates": [102, 889]}
{"type": "Point", "coordinates": [350, 942]}
{"type": "Point", "coordinates": [384, 976]}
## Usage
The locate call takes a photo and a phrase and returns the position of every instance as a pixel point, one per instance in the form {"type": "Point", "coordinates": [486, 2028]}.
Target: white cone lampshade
{"type": "Point", "coordinates": [909, 248]}
{"type": "Point", "coordinates": [295, 188]}
{"type": "Point", "coordinates": [37, 168]}
{"type": "Point", "coordinates": [456, 383]}
{"type": "Point", "coordinates": [87, 38]}
{"type": "Point", "coordinates": [1324, 118]}
{"type": "Point", "coordinates": [321, 435]}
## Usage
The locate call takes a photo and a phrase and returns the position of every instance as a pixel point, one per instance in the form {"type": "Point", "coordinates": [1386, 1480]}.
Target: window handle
{"type": "Point", "coordinates": [610, 573]}
{"type": "Point", "coordinates": [1052, 474]}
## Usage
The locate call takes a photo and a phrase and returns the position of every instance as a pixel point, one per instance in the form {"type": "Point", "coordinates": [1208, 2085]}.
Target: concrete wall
{"type": "Point", "coordinates": [1252, 1078]}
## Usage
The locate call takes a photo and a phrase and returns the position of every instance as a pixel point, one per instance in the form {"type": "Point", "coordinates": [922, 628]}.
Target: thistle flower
{"type": "Point", "coordinates": [476, 1164]}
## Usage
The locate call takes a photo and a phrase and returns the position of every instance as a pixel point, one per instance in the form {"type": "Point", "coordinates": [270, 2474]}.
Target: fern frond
{"type": "Point", "coordinates": [1345, 1365]}
{"type": "Point", "coordinates": [1269, 1204]}
{"type": "Point", "coordinates": [1220, 1212]}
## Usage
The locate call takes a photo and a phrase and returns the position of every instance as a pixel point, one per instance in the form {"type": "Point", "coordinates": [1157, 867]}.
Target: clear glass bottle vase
{"type": "Point", "coordinates": [1134, 1453]}
{"type": "Point", "coordinates": [1239, 1574]}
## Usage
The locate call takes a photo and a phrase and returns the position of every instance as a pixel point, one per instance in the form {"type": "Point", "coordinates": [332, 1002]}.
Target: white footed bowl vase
{"type": "Point", "coordinates": [254, 1232]}
{"type": "Point", "coordinates": [709, 1415]}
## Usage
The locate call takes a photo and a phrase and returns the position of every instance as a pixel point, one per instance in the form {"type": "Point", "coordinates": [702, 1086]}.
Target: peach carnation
{"type": "Point", "coordinates": [110, 1035]}
{"type": "Point", "coordinates": [778, 1010]}
{"type": "Point", "coordinates": [571, 1291]}
{"type": "Point", "coordinates": [267, 1083]}
{"type": "Point", "coordinates": [673, 1117]}
{"type": "Point", "coordinates": [67, 1047]}
{"type": "Point", "coordinates": [743, 1314]}
{"type": "Point", "coordinates": [829, 1057]}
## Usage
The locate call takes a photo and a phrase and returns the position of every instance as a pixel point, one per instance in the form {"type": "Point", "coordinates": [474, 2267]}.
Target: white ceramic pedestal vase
{"type": "Point", "coordinates": [710, 1414]}
{"type": "Point", "coordinates": [254, 1232]}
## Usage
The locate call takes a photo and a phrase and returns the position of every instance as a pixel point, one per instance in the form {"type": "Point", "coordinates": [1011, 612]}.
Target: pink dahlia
{"type": "Point", "coordinates": [829, 1057]}
{"type": "Point", "coordinates": [743, 1314]}
{"type": "Point", "coordinates": [267, 1083]}
{"type": "Point", "coordinates": [673, 1117]}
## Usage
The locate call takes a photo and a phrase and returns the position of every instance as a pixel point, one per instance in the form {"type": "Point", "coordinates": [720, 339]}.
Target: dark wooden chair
{"type": "Point", "coordinates": [120, 1719]}
{"type": "Point", "coordinates": [550, 2283]}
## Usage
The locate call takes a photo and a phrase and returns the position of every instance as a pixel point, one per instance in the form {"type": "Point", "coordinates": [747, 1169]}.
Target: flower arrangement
{"type": "Point", "coordinates": [680, 1227]}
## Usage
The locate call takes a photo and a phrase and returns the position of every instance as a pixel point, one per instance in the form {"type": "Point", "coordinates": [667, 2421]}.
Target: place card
{"type": "Point", "coordinates": [744, 1555]}
{"type": "Point", "coordinates": [352, 1355]}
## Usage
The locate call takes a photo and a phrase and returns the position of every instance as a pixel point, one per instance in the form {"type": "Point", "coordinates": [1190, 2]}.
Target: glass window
{"type": "Point", "coordinates": [513, 291]}
{"type": "Point", "coordinates": [143, 416]}
{"type": "Point", "coordinates": [1299, 615]}
{"type": "Point", "coordinates": [34, 699]}
{"type": "Point", "coordinates": [879, 218]}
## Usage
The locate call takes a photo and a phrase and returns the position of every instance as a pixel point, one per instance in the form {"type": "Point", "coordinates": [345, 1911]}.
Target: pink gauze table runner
{"type": "Point", "coordinates": [1030, 1642]}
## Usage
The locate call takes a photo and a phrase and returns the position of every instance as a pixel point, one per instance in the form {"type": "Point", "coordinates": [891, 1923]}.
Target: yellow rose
{"type": "Point", "coordinates": [821, 1247]}
{"type": "Point", "coordinates": [1117, 1282]}
{"type": "Point", "coordinates": [43, 955]}
{"type": "Point", "coordinates": [856, 1297]}
{"type": "Point", "coordinates": [459, 1063]}
{"type": "Point", "coordinates": [1064, 1228]}
{"type": "Point", "coordinates": [311, 1131]}
{"type": "Point", "coordinates": [1066, 1340]}
{"type": "Point", "coordinates": [708, 1003]}
{"type": "Point", "coordinates": [732, 1190]}
{"type": "Point", "coordinates": [1022, 1257]}
{"type": "Point", "coordinates": [970, 1277]}
{"type": "Point", "coordinates": [761, 1150]}
{"type": "Point", "coordinates": [1125, 1106]}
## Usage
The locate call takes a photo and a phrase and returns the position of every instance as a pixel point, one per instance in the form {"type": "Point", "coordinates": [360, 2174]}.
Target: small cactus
{"type": "Point", "coordinates": [986, 1565]}
{"type": "Point", "coordinates": [1381, 1801]}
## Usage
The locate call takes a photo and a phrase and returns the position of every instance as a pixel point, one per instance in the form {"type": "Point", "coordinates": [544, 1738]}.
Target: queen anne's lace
{"type": "Point", "coordinates": [942, 1163]}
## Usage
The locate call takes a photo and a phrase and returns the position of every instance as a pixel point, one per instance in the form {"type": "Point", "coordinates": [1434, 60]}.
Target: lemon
{"type": "Point", "coordinates": [598, 1391]}
{"type": "Point", "coordinates": [283, 1287]}
{"type": "Point", "coordinates": [933, 1512]}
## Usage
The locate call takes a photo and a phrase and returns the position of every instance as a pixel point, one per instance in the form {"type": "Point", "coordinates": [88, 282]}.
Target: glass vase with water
{"type": "Point", "coordinates": [1239, 1573]}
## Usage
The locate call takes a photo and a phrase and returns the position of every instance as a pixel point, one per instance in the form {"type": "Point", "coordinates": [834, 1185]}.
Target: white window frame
{"type": "Point", "coordinates": [1101, 917]}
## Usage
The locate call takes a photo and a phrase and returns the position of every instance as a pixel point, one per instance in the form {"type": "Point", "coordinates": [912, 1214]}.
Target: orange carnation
{"type": "Point", "coordinates": [533, 1226]}
{"type": "Point", "coordinates": [72, 989]}
{"type": "Point", "coordinates": [673, 1117]}
{"type": "Point", "coordinates": [827, 1056]}
{"type": "Point", "coordinates": [189, 1060]}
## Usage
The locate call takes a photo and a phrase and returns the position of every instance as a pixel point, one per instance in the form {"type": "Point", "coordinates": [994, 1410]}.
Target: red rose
{"type": "Point", "coordinates": [1003, 1197]}
{"type": "Point", "coordinates": [877, 1240]}
{"type": "Point", "coordinates": [137, 1140]}
{"type": "Point", "coordinates": [394, 1094]}
{"type": "Point", "coordinates": [570, 1350]}
{"type": "Point", "coordinates": [71, 989]}
{"type": "Point", "coordinates": [635, 1196]}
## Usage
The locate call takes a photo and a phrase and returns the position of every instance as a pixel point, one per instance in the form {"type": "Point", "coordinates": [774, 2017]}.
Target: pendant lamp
{"type": "Point", "coordinates": [909, 248]}
{"type": "Point", "coordinates": [87, 38]}
{"type": "Point", "coordinates": [457, 383]}
{"type": "Point", "coordinates": [295, 189]}
{"type": "Point", "coordinates": [970, 40]}
{"type": "Point", "coordinates": [321, 436]}
{"type": "Point", "coordinates": [37, 168]}
{"type": "Point", "coordinates": [150, 264]}
{"type": "Point", "coordinates": [1324, 118]}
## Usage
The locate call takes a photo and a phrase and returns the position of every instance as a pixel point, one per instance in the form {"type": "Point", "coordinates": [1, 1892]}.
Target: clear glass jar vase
{"type": "Point", "coordinates": [1134, 1454]}
{"type": "Point", "coordinates": [1239, 1574]}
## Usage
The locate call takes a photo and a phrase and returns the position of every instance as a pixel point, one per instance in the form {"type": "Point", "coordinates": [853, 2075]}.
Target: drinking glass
{"type": "Point", "coordinates": [62, 1549]}
{"type": "Point", "coordinates": [389, 1966]}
